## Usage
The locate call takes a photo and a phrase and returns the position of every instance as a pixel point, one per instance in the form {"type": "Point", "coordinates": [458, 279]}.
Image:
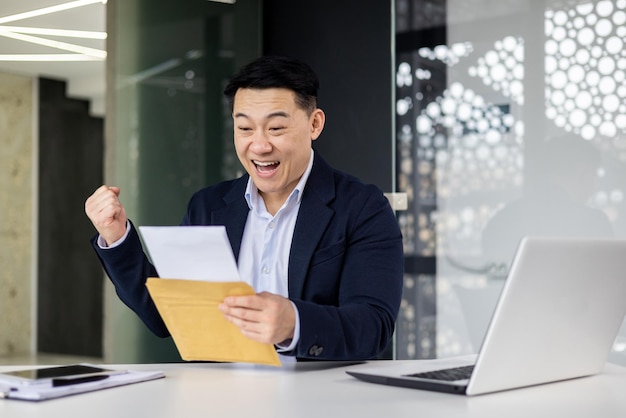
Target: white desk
{"type": "Point", "coordinates": [310, 390]}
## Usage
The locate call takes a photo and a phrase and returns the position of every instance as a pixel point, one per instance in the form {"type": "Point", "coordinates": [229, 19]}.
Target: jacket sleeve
{"type": "Point", "coordinates": [128, 268]}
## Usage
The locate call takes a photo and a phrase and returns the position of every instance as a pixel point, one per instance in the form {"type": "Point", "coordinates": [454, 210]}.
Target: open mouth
{"type": "Point", "coordinates": [265, 166]}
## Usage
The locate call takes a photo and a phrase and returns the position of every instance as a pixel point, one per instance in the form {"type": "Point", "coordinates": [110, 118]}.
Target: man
{"type": "Point", "coordinates": [322, 250]}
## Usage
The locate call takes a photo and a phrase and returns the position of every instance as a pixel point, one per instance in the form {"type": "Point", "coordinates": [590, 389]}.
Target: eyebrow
{"type": "Point", "coordinates": [277, 114]}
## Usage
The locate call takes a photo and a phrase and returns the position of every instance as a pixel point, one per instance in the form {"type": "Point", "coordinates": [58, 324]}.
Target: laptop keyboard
{"type": "Point", "coordinates": [455, 373]}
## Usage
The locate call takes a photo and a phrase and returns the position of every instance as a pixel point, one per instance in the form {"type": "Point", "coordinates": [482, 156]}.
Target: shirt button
{"type": "Point", "coordinates": [271, 225]}
{"type": "Point", "coordinates": [266, 270]}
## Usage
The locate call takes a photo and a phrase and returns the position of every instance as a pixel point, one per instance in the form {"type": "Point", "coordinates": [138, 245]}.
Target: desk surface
{"type": "Point", "coordinates": [318, 390]}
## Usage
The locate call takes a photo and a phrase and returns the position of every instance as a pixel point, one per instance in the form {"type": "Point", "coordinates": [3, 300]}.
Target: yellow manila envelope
{"type": "Point", "coordinates": [199, 329]}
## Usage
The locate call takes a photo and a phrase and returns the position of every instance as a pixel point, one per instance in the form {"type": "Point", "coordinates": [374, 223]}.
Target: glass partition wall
{"type": "Point", "coordinates": [168, 129]}
{"type": "Point", "coordinates": [511, 121]}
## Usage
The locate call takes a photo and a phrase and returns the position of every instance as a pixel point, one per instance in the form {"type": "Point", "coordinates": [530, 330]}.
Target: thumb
{"type": "Point", "coordinates": [115, 190]}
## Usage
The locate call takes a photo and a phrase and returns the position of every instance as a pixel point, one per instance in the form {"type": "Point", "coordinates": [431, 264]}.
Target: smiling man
{"type": "Point", "coordinates": [322, 250]}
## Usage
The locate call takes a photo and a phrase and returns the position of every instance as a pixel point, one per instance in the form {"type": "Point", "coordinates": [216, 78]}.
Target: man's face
{"type": "Point", "coordinates": [273, 140]}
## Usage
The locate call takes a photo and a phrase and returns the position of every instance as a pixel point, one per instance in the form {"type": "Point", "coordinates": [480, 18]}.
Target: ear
{"type": "Point", "coordinates": [317, 120]}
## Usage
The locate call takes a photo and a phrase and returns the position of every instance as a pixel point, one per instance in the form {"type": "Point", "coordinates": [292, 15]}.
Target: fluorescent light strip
{"type": "Point", "coordinates": [48, 10]}
{"type": "Point", "coordinates": [55, 32]}
{"type": "Point", "coordinates": [97, 53]}
{"type": "Point", "coordinates": [47, 57]}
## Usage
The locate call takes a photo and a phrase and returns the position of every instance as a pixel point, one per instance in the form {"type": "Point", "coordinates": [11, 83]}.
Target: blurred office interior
{"type": "Point", "coordinates": [498, 119]}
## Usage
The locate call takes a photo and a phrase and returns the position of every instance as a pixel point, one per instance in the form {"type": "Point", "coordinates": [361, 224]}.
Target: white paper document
{"type": "Point", "coordinates": [191, 252]}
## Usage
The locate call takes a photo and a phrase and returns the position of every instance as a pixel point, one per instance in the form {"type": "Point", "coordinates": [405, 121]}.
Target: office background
{"type": "Point", "coordinates": [450, 102]}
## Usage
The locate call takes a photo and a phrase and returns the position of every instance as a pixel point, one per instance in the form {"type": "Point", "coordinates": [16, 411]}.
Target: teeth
{"type": "Point", "coordinates": [264, 164]}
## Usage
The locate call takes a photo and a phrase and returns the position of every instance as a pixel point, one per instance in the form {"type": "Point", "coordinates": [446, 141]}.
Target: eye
{"type": "Point", "coordinates": [276, 128]}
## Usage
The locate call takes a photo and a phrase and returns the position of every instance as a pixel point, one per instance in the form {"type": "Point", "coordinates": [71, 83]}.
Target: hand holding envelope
{"type": "Point", "coordinates": [204, 272]}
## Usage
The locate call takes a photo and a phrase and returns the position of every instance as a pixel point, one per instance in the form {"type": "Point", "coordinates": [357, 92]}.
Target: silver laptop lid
{"type": "Point", "coordinates": [560, 309]}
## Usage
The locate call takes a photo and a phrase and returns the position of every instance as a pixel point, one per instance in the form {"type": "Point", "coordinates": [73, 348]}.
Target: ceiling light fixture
{"type": "Point", "coordinates": [24, 34]}
{"type": "Point", "coordinates": [96, 53]}
{"type": "Point", "coordinates": [48, 10]}
{"type": "Point", "coordinates": [55, 32]}
{"type": "Point", "coordinates": [47, 57]}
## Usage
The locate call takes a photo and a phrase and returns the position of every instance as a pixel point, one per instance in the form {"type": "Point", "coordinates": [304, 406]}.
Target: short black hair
{"type": "Point", "coordinates": [271, 71]}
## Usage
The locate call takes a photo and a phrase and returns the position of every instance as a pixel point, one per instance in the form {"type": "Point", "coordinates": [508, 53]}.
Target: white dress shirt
{"type": "Point", "coordinates": [266, 243]}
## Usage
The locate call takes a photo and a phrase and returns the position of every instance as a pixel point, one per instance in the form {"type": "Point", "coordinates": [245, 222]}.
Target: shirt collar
{"type": "Point", "coordinates": [252, 192]}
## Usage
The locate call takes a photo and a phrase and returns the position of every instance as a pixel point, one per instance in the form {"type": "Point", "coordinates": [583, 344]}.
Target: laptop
{"type": "Point", "coordinates": [556, 318]}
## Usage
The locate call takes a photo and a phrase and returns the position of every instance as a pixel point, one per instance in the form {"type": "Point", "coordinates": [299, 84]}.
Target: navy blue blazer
{"type": "Point", "coordinates": [345, 264]}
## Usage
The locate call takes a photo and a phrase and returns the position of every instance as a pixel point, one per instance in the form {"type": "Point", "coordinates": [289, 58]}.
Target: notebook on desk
{"type": "Point", "coordinates": [558, 314]}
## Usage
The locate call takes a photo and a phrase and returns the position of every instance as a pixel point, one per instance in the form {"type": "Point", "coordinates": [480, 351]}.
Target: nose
{"type": "Point", "coordinates": [260, 143]}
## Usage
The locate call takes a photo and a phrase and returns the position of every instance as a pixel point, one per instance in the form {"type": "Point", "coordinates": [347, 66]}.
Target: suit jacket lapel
{"type": "Point", "coordinates": [234, 215]}
{"type": "Point", "coordinates": [313, 219]}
